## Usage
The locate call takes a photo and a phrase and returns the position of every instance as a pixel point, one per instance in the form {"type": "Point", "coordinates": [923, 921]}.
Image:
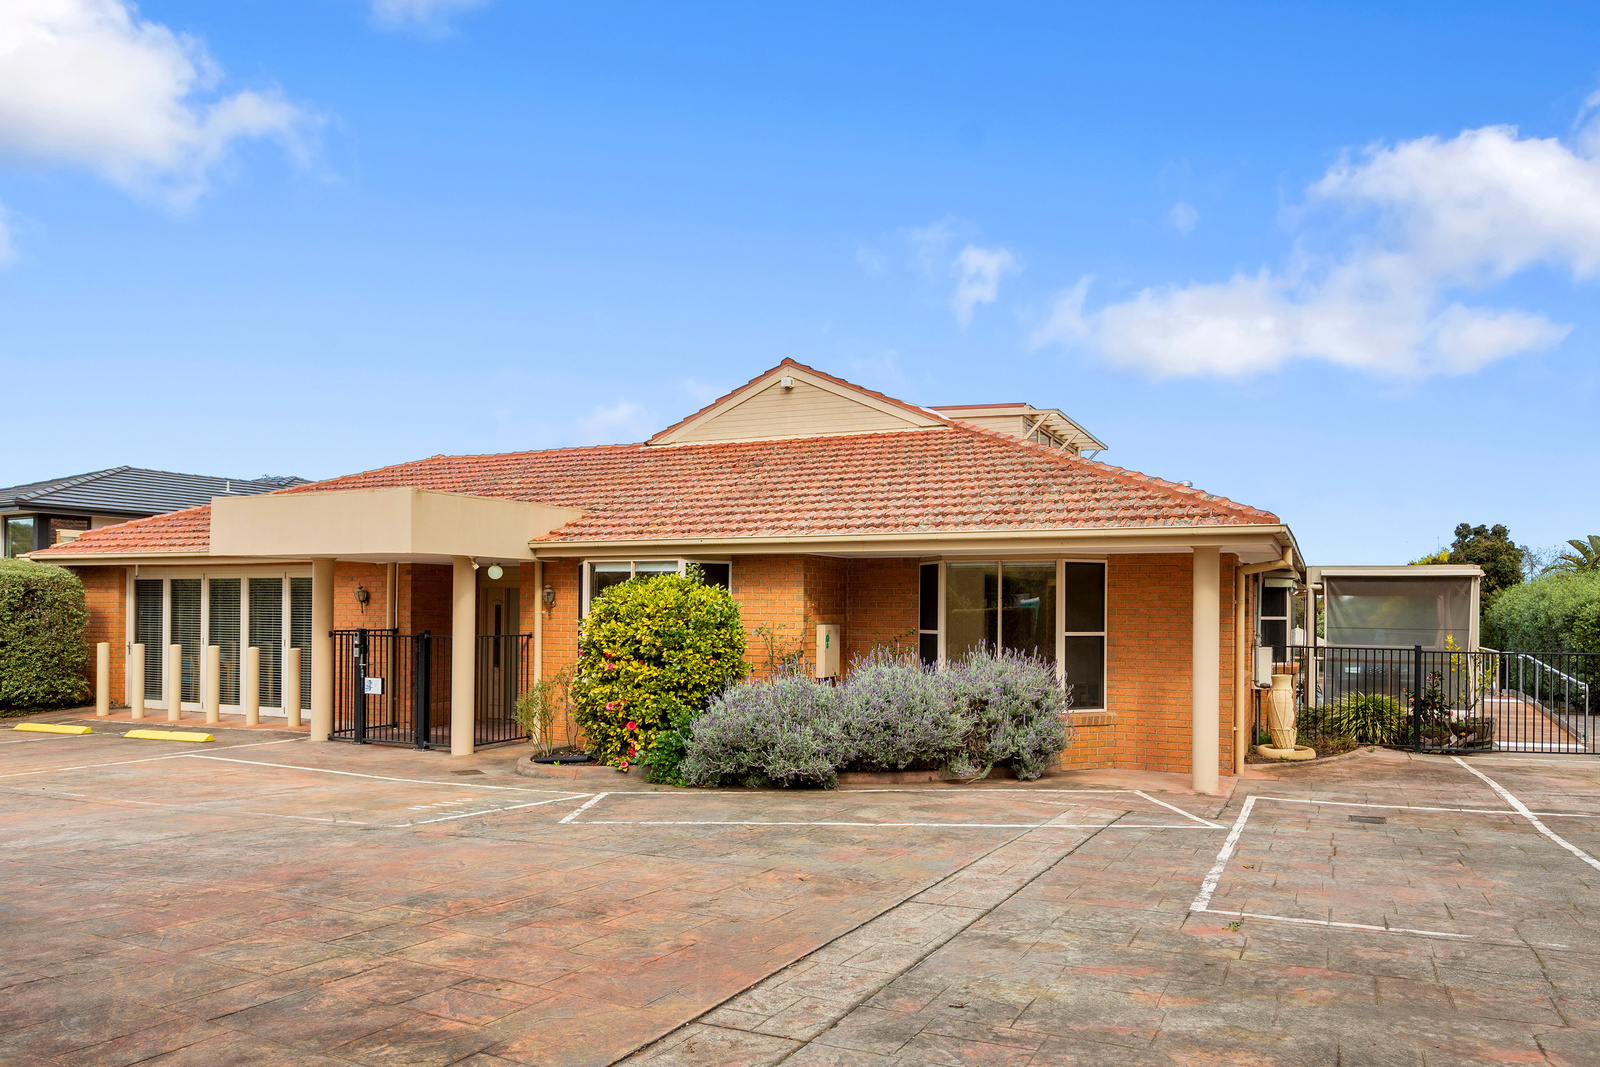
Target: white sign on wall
{"type": "Point", "coordinates": [373, 687]}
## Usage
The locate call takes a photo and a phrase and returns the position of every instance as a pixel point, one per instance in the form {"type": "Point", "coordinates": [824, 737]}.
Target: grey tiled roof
{"type": "Point", "coordinates": [132, 491]}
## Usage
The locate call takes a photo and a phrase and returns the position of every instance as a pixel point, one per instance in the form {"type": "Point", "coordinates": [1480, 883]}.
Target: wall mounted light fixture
{"type": "Point", "coordinates": [362, 596]}
{"type": "Point", "coordinates": [496, 572]}
{"type": "Point", "coordinates": [549, 597]}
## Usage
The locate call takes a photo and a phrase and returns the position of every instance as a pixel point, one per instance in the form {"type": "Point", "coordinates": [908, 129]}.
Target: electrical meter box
{"type": "Point", "coordinates": [1264, 667]}
{"type": "Point", "coordinates": [827, 650]}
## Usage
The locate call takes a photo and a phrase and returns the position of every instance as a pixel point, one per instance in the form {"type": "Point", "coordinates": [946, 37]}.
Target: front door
{"type": "Point", "coordinates": [499, 650]}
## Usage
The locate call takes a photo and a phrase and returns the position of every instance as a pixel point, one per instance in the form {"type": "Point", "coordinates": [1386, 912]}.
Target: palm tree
{"type": "Point", "coordinates": [1583, 559]}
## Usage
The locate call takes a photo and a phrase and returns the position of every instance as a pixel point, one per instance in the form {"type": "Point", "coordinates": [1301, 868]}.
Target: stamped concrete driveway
{"type": "Point", "coordinates": [264, 900]}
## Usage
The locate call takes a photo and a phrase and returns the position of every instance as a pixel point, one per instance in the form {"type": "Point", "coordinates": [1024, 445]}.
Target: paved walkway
{"type": "Point", "coordinates": [264, 900]}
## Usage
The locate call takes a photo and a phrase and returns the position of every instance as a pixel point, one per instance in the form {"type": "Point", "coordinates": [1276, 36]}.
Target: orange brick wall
{"type": "Point", "coordinates": [426, 591]}
{"type": "Point", "coordinates": [1148, 644]}
{"type": "Point", "coordinates": [771, 594]}
{"type": "Point", "coordinates": [105, 594]}
{"type": "Point", "coordinates": [884, 597]}
{"type": "Point", "coordinates": [347, 613]}
{"type": "Point", "coordinates": [1149, 638]}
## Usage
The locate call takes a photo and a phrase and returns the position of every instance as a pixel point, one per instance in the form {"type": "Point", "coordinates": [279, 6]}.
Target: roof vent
{"type": "Point", "coordinates": [786, 382]}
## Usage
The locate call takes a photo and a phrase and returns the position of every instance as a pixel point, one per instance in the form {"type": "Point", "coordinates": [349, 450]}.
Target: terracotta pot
{"type": "Point", "coordinates": [1279, 701]}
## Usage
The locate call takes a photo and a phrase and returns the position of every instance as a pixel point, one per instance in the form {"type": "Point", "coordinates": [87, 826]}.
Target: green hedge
{"type": "Point", "coordinates": [1556, 613]}
{"type": "Point", "coordinates": [42, 619]}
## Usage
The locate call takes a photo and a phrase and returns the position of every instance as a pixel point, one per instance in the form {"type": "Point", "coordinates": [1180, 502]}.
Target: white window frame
{"type": "Point", "coordinates": [205, 574]}
{"type": "Point", "coordinates": [586, 572]}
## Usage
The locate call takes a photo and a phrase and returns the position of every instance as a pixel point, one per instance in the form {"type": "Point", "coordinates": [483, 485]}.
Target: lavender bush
{"type": "Point", "coordinates": [891, 714]}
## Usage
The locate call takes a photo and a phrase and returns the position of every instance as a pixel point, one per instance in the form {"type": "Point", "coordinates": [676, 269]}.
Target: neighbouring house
{"type": "Point", "coordinates": [41, 514]}
{"type": "Point", "coordinates": [427, 595]}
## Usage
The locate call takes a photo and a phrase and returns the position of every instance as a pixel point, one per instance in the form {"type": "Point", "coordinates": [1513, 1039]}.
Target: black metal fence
{"type": "Point", "coordinates": [1447, 701]}
{"type": "Point", "coordinates": [394, 689]}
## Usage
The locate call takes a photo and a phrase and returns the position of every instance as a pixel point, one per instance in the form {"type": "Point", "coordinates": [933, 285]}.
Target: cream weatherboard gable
{"type": "Point", "coordinates": [809, 405]}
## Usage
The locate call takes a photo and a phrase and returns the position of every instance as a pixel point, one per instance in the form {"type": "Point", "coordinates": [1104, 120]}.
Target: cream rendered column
{"type": "Point", "coordinates": [463, 658]}
{"type": "Point", "coordinates": [136, 683]}
{"type": "Point", "coordinates": [102, 678]}
{"type": "Point", "coordinates": [321, 649]}
{"type": "Point", "coordinates": [213, 684]}
{"type": "Point", "coordinates": [251, 683]}
{"type": "Point", "coordinates": [1206, 670]}
{"type": "Point", "coordinates": [174, 683]}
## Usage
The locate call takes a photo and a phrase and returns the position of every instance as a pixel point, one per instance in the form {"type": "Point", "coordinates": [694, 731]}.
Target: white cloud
{"type": "Point", "coordinates": [978, 272]}
{"type": "Point", "coordinates": [88, 83]}
{"type": "Point", "coordinates": [1183, 217]}
{"type": "Point", "coordinates": [622, 422]}
{"type": "Point", "coordinates": [1432, 218]}
{"type": "Point", "coordinates": [420, 14]}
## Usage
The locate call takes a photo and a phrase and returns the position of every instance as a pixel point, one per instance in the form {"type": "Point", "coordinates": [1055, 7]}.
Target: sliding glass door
{"type": "Point", "coordinates": [234, 611]}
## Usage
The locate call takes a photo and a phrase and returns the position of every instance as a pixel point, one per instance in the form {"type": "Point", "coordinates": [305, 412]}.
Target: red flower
{"type": "Point", "coordinates": [624, 765]}
{"type": "Point", "coordinates": [630, 725]}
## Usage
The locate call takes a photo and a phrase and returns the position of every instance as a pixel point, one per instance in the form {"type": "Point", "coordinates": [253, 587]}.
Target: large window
{"type": "Point", "coordinates": [1052, 609]}
{"type": "Point", "coordinates": [18, 535]}
{"type": "Point", "coordinates": [602, 575]}
{"type": "Point", "coordinates": [1083, 625]}
{"type": "Point", "coordinates": [232, 611]}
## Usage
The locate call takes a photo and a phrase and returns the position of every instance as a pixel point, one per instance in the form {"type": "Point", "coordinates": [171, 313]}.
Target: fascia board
{"type": "Point", "coordinates": [1267, 539]}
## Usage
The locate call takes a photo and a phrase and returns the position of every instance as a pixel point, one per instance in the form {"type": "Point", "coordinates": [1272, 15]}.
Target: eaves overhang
{"type": "Point", "coordinates": [1252, 543]}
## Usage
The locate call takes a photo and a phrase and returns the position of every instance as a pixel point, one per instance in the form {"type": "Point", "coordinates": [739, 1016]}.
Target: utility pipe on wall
{"type": "Point", "coordinates": [1244, 684]}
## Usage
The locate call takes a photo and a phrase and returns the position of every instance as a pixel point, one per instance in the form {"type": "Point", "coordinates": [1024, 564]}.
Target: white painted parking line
{"type": "Point", "coordinates": [1041, 824]}
{"type": "Point", "coordinates": [146, 759]}
{"type": "Point", "coordinates": [1208, 886]}
{"type": "Point", "coordinates": [591, 802]}
{"type": "Point", "coordinates": [384, 777]}
{"type": "Point", "coordinates": [1522, 809]}
{"type": "Point", "coordinates": [491, 811]}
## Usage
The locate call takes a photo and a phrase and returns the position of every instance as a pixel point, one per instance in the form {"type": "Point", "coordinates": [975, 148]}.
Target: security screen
{"type": "Point", "coordinates": [1398, 612]}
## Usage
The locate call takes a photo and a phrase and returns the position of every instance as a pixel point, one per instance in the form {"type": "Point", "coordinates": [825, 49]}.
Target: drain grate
{"type": "Point", "coordinates": [1375, 820]}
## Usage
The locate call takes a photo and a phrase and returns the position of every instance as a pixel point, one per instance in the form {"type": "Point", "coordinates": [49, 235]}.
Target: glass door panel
{"type": "Point", "coordinates": [266, 633]}
{"type": "Point", "coordinates": [972, 595]}
{"type": "Point", "coordinates": [223, 609]}
{"type": "Point", "coordinates": [1028, 609]}
{"type": "Point", "coordinates": [147, 618]}
{"type": "Point", "coordinates": [300, 632]}
{"type": "Point", "coordinates": [186, 632]}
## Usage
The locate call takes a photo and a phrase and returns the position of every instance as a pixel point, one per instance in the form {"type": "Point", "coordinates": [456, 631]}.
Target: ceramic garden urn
{"type": "Point", "coordinates": [1280, 710]}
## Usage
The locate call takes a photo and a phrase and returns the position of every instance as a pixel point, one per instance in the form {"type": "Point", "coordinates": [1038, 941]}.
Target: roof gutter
{"type": "Point", "coordinates": [1109, 538]}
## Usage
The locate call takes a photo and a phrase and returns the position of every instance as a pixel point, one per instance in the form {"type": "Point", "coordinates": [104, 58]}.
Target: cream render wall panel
{"type": "Point", "coordinates": [803, 411]}
{"type": "Point", "coordinates": [1011, 424]}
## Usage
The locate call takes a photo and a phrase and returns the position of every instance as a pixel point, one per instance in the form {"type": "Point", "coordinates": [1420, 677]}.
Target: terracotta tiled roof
{"type": "Point", "coordinates": [956, 479]}
{"type": "Point", "coordinates": [188, 530]}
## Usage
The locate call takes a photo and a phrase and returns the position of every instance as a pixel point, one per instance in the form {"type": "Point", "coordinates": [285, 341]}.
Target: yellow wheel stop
{"type": "Point", "coordinates": [166, 735]}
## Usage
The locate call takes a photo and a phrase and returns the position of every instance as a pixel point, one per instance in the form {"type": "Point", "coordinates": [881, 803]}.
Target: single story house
{"type": "Point", "coordinates": [41, 514]}
{"type": "Point", "coordinates": [825, 508]}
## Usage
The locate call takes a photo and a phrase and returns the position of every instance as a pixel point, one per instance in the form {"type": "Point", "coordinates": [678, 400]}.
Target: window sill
{"type": "Point", "coordinates": [1092, 718]}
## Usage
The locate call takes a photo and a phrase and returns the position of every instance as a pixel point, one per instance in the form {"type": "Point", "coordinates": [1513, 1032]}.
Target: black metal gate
{"type": "Point", "coordinates": [1447, 701]}
{"type": "Point", "coordinates": [394, 689]}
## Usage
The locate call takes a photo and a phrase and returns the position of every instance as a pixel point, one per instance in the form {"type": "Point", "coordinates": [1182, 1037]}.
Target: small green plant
{"type": "Point", "coordinates": [537, 709]}
{"type": "Point", "coordinates": [1235, 926]}
{"type": "Point", "coordinates": [1365, 718]}
{"type": "Point", "coordinates": [780, 653]}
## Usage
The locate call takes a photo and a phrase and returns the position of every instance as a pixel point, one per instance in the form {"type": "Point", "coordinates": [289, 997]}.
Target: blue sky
{"type": "Point", "coordinates": [1338, 261]}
